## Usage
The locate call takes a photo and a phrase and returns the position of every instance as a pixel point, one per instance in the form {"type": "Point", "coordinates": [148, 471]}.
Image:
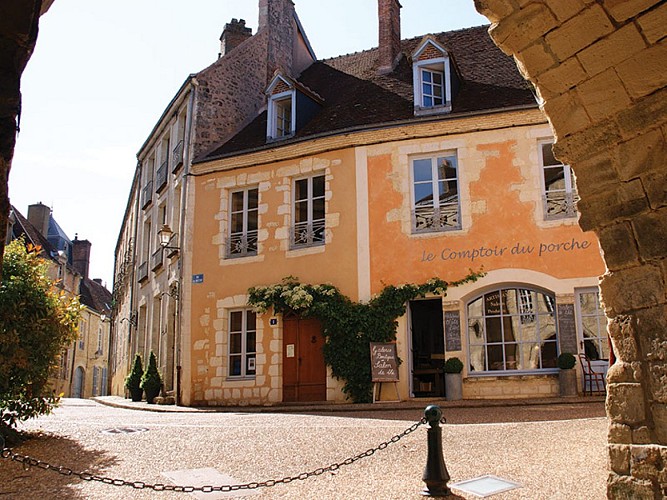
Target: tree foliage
{"type": "Point", "coordinates": [349, 327]}
{"type": "Point", "coordinates": [37, 321]}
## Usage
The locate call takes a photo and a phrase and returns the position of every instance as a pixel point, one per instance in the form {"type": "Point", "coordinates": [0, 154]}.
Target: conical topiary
{"type": "Point", "coordinates": [133, 380]}
{"type": "Point", "coordinates": [151, 382]}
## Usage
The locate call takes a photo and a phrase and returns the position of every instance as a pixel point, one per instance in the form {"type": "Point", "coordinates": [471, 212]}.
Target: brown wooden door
{"type": "Point", "coordinates": [304, 371]}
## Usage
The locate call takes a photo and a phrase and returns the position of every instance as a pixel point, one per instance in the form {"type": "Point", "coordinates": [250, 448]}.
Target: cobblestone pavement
{"type": "Point", "coordinates": [555, 451]}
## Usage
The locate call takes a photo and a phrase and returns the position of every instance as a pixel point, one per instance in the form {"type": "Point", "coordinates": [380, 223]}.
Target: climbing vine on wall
{"type": "Point", "coordinates": [349, 327]}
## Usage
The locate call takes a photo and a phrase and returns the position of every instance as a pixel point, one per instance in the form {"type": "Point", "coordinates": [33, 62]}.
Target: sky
{"type": "Point", "coordinates": [103, 72]}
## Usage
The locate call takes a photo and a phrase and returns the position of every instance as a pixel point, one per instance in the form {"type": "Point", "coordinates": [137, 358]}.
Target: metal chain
{"type": "Point", "coordinates": [65, 471]}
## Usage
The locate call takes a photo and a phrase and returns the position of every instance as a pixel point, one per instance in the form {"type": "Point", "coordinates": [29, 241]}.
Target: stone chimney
{"type": "Point", "coordinates": [81, 255]}
{"type": "Point", "coordinates": [38, 216]}
{"type": "Point", "coordinates": [277, 16]}
{"type": "Point", "coordinates": [232, 36]}
{"type": "Point", "coordinates": [389, 17]}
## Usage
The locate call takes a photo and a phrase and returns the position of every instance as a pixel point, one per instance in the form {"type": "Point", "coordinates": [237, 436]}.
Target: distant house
{"type": "Point", "coordinates": [416, 159]}
{"type": "Point", "coordinates": [83, 370]}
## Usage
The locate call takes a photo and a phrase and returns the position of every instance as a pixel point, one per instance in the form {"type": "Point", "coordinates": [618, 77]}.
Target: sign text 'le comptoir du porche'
{"type": "Point", "coordinates": [487, 251]}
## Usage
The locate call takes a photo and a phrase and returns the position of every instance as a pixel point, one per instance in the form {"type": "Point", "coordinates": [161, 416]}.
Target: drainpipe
{"type": "Point", "coordinates": [188, 140]}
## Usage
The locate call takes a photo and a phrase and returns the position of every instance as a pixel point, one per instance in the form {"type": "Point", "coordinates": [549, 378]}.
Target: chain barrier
{"type": "Point", "coordinates": [29, 462]}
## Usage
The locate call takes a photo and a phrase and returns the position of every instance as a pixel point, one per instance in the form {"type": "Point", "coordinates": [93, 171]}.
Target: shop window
{"type": "Point", "coordinates": [243, 223]}
{"type": "Point", "coordinates": [592, 325]}
{"type": "Point", "coordinates": [308, 210]}
{"type": "Point", "coordinates": [242, 343]}
{"type": "Point", "coordinates": [559, 197]}
{"type": "Point", "coordinates": [435, 193]}
{"type": "Point", "coordinates": [512, 330]}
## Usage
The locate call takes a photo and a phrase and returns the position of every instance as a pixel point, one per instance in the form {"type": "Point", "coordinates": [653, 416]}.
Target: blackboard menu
{"type": "Point", "coordinates": [452, 331]}
{"type": "Point", "coordinates": [384, 362]}
{"type": "Point", "coordinates": [567, 330]}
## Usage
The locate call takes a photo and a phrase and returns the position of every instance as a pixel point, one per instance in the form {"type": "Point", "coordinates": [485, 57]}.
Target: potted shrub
{"type": "Point", "coordinates": [453, 380]}
{"type": "Point", "coordinates": [133, 380]}
{"type": "Point", "coordinates": [567, 376]}
{"type": "Point", "coordinates": [151, 382]}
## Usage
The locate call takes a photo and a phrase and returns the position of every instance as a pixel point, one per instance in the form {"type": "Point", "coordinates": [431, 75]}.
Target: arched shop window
{"type": "Point", "coordinates": [512, 330]}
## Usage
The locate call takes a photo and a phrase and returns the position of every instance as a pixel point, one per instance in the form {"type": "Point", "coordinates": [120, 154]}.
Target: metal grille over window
{"type": "Point", "coordinates": [560, 195]}
{"type": "Point", "coordinates": [244, 220]}
{"type": "Point", "coordinates": [309, 206]}
{"type": "Point", "coordinates": [436, 194]}
{"type": "Point", "coordinates": [512, 329]}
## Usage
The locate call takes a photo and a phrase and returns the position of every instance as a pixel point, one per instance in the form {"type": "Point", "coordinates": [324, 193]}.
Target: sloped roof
{"type": "Point", "coordinates": [95, 296]}
{"type": "Point", "coordinates": [356, 95]}
{"type": "Point", "coordinates": [24, 228]}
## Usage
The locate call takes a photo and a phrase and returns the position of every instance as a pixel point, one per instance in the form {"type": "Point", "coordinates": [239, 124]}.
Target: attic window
{"type": "Point", "coordinates": [281, 115]}
{"type": "Point", "coordinates": [431, 79]}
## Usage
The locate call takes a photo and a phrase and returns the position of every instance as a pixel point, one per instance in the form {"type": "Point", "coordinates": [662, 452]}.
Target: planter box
{"type": "Point", "coordinates": [453, 386]}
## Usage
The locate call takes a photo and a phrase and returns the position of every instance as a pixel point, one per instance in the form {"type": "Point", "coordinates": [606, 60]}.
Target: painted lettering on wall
{"type": "Point", "coordinates": [519, 248]}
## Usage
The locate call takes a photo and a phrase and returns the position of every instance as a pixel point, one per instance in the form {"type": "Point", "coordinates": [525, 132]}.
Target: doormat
{"type": "Point", "coordinates": [485, 486]}
{"type": "Point", "coordinates": [207, 477]}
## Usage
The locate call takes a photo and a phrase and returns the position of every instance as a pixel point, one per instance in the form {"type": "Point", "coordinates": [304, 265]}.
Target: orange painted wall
{"type": "Point", "coordinates": [504, 227]}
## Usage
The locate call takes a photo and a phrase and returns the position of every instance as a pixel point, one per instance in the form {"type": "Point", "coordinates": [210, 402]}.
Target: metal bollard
{"type": "Point", "coordinates": [435, 473]}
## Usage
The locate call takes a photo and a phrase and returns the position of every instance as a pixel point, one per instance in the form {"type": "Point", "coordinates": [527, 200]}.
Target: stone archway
{"type": "Point", "coordinates": [599, 68]}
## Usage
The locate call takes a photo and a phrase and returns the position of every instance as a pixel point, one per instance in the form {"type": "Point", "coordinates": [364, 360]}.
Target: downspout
{"type": "Point", "coordinates": [181, 237]}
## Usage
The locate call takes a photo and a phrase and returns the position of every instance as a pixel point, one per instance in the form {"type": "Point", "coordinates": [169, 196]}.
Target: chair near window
{"type": "Point", "coordinates": [591, 377]}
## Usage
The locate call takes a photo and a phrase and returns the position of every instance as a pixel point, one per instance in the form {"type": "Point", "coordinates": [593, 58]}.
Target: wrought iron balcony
{"type": "Point", "coordinates": [242, 244]}
{"type": "Point", "coordinates": [560, 205]}
{"type": "Point", "coordinates": [147, 194]}
{"type": "Point", "coordinates": [157, 258]}
{"type": "Point", "coordinates": [306, 234]}
{"type": "Point", "coordinates": [177, 156]}
{"type": "Point", "coordinates": [142, 272]}
{"type": "Point", "coordinates": [161, 177]}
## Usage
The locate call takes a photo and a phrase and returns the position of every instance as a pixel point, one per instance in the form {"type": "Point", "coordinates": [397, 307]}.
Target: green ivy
{"type": "Point", "coordinates": [349, 327]}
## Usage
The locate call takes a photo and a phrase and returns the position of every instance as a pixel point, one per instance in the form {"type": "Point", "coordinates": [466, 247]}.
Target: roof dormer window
{"type": "Point", "coordinates": [281, 121]}
{"type": "Point", "coordinates": [431, 78]}
{"type": "Point", "coordinates": [290, 106]}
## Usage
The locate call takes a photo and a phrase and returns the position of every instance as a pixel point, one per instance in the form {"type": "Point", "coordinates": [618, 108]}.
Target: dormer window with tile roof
{"type": "Point", "coordinates": [291, 105]}
{"type": "Point", "coordinates": [431, 78]}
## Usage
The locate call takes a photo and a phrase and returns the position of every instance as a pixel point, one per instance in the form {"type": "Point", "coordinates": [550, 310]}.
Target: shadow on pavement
{"type": "Point", "coordinates": [33, 482]}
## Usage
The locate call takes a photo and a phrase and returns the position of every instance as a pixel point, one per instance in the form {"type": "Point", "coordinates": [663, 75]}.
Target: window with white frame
{"type": "Point", "coordinates": [592, 324]}
{"type": "Point", "coordinates": [242, 343]}
{"type": "Point", "coordinates": [308, 210]}
{"type": "Point", "coordinates": [436, 204]}
{"type": "Point", "coordinates": [281, 122]}
{"type": "Point", "coordinates": [512, 330]}
{"type": "Point", "coordinates": [560, 194]}
{"type": "Point", "coordinates": [243, 223]}
{"type": "Point", "coordinates": [431, 79]}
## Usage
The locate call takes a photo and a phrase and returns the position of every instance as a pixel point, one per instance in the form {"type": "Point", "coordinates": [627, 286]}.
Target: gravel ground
{"type": "Point", "coordinates": [555, 451]}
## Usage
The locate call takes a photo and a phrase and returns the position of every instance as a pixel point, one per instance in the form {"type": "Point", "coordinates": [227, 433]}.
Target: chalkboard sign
{"type": "Point", "coordinates": [567, 331]}
{"type": "Point", "coordinates": [452, 331]}
{"type": "Point", "coordinates": [384, 362]}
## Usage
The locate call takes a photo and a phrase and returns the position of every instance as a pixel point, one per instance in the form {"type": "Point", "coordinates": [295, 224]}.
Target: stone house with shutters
{"type": "Point", "coordinates": [416, 159]}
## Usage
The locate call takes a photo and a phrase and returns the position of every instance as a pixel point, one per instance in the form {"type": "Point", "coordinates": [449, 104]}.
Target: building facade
{"type": "Point", "coordinates": [421, 158]}
{"type": "Point", "coordinates": [84, 366]}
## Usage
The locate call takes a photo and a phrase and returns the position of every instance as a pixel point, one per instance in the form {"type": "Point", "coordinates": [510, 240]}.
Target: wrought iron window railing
{"type": "Point", "coordinates": [431, 219]}
{"type": "Point", "coordinates": [147, 194]}
{"type": "Point", "coordinates": [157, 259]}
{"type": "Point", "coordinates": [161, 177]}
{"type": "Point", "coordinates": [142, 271]}
{"type": "Point", "coordinates": [560, 204]}
{"type": "Point", "coordinates": [305, 234]}
{"type": "Point", "coordinates": [177, 156]}
{"type": "Point", "coordinates": [242, 244]}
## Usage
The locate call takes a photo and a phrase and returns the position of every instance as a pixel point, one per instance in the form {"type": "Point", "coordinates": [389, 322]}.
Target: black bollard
{"type": "Point", "coordinates": [435, 473]}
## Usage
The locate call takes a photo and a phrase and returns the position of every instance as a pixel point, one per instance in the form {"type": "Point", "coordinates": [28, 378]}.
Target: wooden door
{"type": "Point", "coordinates": [304, 371]}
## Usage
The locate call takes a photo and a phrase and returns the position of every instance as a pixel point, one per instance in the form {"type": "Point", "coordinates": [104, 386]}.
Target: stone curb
{"type": "Point", "coordinates": [119, 402]}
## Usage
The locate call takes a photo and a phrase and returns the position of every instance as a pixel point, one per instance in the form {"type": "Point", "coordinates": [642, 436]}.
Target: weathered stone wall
{"type": "Point", "coordinates": [599, 68]}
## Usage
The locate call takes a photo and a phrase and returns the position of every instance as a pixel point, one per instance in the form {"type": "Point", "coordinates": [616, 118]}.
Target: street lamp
{"type": "Point", "coordinates": [166, 234]}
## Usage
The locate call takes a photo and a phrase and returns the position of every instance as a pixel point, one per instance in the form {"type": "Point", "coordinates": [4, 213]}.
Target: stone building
{"type": "Point", "coordinates": [84, 365]}
{"type": "Point", "coordinates": [211, 106]}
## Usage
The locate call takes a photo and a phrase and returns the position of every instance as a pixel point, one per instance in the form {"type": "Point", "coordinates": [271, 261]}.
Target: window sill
{"type": "Point", "coordinates": [435, 110]}
{"type": "Point", "coordinates": [240, 379]}
{"type": "Point", "coordinates": [507, 375]}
